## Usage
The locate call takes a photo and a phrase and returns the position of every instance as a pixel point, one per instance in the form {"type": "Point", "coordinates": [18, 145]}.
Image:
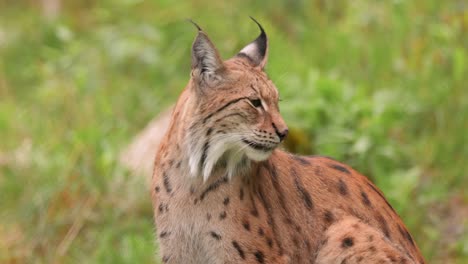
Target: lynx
{"type": "Point", "coordinates": [223, 192]}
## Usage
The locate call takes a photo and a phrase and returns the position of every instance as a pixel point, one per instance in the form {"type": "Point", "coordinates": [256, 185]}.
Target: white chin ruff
{"type": "Point", "coordinates": [258, 155]}
{"type": "Point", "coordinates": [234, 157]}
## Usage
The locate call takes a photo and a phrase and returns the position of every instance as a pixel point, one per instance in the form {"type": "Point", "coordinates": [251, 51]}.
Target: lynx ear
{"type": "Point", "coordinates": [205, 58]}
{"type": "Point", "coordinates": [257, 50]}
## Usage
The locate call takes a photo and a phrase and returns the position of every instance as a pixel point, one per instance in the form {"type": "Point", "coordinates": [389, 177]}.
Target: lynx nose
{"type": "Point", "coordinates": [282, 134]}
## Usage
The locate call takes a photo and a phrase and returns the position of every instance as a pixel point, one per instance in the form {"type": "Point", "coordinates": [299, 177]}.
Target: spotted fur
{"type": "Point", "coordinates": [223, 193]}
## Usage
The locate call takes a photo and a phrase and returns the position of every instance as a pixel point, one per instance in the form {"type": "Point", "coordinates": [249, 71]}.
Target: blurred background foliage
{"type": "Point", "coordinates": [381, 85]}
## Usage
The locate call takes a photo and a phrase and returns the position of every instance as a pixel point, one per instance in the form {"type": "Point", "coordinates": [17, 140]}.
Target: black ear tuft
{"type": "Point", "coordinates": [195, 24]}
{"type": "Point", "coordinates": [257, 50]}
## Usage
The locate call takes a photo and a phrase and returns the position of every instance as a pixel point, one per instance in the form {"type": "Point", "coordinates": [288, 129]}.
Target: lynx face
{"type": "Point", "coordinates": [246, 124]}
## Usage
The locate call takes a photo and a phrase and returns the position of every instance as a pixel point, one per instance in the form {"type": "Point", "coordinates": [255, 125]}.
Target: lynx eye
{"type": "Point", "coordinates": [256, 102]}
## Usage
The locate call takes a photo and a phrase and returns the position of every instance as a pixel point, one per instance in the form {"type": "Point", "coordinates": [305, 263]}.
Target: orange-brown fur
{"type": "Point", "coordinates": [283, 209]}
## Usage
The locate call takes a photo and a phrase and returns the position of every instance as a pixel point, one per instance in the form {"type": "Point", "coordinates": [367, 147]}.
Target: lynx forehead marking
{"type": "Point", "coordinates": [223, 191]}
{"type": "Point", "coordinates": [223, 108]}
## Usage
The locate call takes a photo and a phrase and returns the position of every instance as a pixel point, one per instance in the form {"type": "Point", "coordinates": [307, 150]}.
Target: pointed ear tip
{"type": "Point", "coordinates": [258, 24]}
{"type": "Point", "coordinates": [195, 24]}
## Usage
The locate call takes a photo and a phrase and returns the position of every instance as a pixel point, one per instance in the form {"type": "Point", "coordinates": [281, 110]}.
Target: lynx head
{"type": "Point", "coordinates": [233, 115]}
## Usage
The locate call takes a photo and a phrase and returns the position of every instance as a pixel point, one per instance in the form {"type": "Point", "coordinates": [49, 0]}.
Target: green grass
{"type": "Point", "coordinates": [378, 85]}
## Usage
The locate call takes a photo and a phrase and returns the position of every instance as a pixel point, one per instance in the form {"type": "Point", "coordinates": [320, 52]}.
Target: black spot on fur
{"type": "Point", "coordinates": [222, 215]}
{"type": "Point", "coordinates": [347, 242]}
{"type": "Point", "coordinates": [305, 195]}
{"type": "Point", "coordinates": [208, 132]}
{"type": "Point", "coordinates": [161, 207]}
{"type": "Point", "coordinates": [206, 146]}
{"type": "Point", "coordinates": [254, 212]}
{"type": "Point", "coordinates": [298, 228]}
{"type": "Point", "coordinates": [213, 187]}
{"type": "Point", "coordinates": [165, 259]}
{"type": "Point", "coordinates": [157, 189]}
{"type": "Point", "coordinates": [164, 234]}
{"type": "Point", "coordinates": [166, 183]}
{"type": "Point", "coordinates": [178, 165]}
{"type": "Point", "coordinates": [406, 235]}
{"type": "Point", "coordinates": [241, 194]}
{"type": "Point", "coordinates": [328, 217]}
{"type": "Point", "coordinates": [239, 249]}
{"type": "Point", "coordinates": [260, 232]}
{"type": "Point", "coordinates": [215, 235]}
{"type": "Point", "coordinates": [171, 162]}
{"type": "Point", "coordinates": [301, 160]}
{"type": "Point", "coordinates": [269, 242]}
{"type": "Point", "coordinates": [226, 201]}
{"type": "Point", "coordinates": [339, 168]}
{"type": "Point", "coordinates": [246, 225]}
{"type": "Point", "coordinates": [365, 199]}
{"type": "Point", "coordinates": [392, 258]}
{"type": "Point", "coordinates": [259, 256]}
{"type": "Point", "coordinates": [383, 225]}
{"type": "Point", "coordinates": [342, 187]}
{"type": "Point", "coordinates": [372, 249]}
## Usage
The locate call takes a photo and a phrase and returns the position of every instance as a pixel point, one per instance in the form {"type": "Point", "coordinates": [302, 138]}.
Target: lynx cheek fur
{"type": "Point", "coordinates": [223, 193]}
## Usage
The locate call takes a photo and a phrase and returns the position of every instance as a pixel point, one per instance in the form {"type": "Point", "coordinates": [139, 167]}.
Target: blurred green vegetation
{"type": "Point", "coordinates": [380, 85]}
